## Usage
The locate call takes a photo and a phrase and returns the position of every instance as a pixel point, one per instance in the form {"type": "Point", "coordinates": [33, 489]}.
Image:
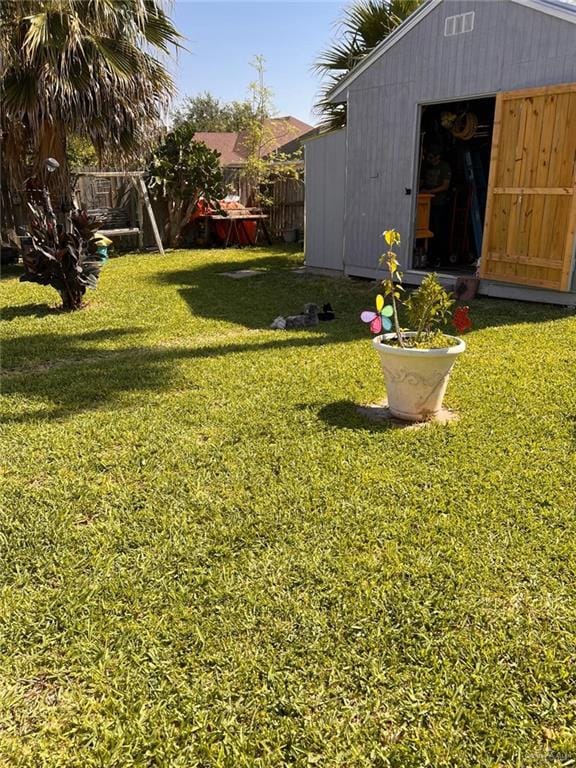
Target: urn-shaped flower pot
{"type": "Point", "coordinates": [416, 379]}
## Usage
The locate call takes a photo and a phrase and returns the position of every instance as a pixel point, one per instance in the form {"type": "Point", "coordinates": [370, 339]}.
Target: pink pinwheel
{"type": "Point", "coordinates": [379, 320]}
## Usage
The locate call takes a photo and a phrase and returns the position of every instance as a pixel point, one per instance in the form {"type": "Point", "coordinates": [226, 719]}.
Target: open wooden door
{"type": "Point", "coordinates": [531, 206]}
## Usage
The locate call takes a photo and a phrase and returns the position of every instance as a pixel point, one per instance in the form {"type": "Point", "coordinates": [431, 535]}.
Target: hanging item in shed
{"type": "Point", "coordinates": [447, 120]}
{"type": "Point", "coordinates": [465, 126]}
{"type": "Point", "coordinates": [462, 126]}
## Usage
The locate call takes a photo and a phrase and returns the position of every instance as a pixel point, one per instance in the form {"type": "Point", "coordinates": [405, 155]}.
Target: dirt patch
{"type": "Point", "coordinates": [380, 413]}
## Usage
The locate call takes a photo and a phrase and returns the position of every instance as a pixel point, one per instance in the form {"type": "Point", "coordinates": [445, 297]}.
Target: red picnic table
{"type": "Point", "coordinates": [233, 227]}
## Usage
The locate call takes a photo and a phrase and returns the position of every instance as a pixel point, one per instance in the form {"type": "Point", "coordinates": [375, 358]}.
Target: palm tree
{"type": "Point", "coordinates": [90, 68]}
{"type": "Point", "coordinates": [365, 24]}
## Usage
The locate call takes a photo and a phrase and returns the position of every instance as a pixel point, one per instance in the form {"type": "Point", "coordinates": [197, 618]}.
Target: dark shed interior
{"type": "Point", "coordinates": [455, 145]}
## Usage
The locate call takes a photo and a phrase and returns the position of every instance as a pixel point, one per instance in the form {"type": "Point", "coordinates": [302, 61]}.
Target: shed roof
{"type": "Point", "coordinates": [562, 9]}
{"type": "Point", "coordinates": [283, 133]}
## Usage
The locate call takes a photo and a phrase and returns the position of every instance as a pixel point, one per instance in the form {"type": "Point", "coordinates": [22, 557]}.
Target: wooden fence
{"type": "Point", "coordinates": [286, 211]}
{"type": "Point", "coordinates": [287, 195]}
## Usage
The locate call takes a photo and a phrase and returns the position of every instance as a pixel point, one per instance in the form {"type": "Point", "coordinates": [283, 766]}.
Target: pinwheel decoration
{"type": "Point", "coordinates": [379, 320]}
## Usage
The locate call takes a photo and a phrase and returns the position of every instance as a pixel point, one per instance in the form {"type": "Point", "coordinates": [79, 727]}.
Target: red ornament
{"type": "Point", "coordinates": [461, 319]}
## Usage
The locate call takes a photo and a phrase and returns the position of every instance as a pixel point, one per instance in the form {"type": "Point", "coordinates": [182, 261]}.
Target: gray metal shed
{"type": "Point", "coordinates": [324, 184]}
{"type": "Point", "coordinates": [509, 64]}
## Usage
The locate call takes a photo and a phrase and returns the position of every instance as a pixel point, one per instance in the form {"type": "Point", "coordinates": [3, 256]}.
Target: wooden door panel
{"type": "Point", "coordinates": [498, 234]}
{"type": "Point", "coordinates": [531, 206]}
{"type": "Point", "coordinates": [510, 125]}
{"type": "Point", "coordinates": [561, 169]}
{"type": "Point", "coordinates": [546, 141]}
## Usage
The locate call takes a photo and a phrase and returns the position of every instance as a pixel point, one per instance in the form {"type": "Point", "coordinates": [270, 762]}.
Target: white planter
{"type": "Point", "coordinates": [416, 379]}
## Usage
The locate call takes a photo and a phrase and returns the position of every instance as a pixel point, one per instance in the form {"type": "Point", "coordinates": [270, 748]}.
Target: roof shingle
{"type": "Point", "coordinates": [233, 146]}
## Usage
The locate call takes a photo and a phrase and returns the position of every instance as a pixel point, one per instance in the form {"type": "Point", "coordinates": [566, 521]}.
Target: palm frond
{"type": "Point", "coordinates": [38, 33]}
{"type": "Point", "coordinates": [120, 57]}
{"type": "Point", "coordinates": [342, 56]}
{"type": "Point", "coordinates": [19, 91]}
{"type": "Point", "coordinates": [159, 30]}
{"type": "Point", "coordinates": [363, 26]}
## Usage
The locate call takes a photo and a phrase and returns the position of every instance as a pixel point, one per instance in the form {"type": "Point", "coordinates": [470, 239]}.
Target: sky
{"type": "Point", "coordinates": [223, 36]}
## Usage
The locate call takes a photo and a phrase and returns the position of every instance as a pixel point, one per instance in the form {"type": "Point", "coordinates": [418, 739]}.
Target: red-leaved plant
{"type": "Point", "coordinates": [461, 319]}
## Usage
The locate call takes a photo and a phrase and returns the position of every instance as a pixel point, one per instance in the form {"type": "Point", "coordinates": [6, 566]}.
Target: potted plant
{"type": "Point", "coordinates": [416, 363]}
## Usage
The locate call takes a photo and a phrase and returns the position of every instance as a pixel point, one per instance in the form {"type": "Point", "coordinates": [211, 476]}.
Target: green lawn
{"type": "Point", "coordinates": [210, 559]}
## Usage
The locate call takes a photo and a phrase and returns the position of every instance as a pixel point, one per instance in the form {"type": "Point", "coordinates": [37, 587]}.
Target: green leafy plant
{"type": "Point", "coordinates": [80, 152]}
{"type": "Point", "coordinates": [182, 171]}
{"type": "Point", "coordinates": [392, 285]}
{"type": "Point", "coordinates": [427, 308]}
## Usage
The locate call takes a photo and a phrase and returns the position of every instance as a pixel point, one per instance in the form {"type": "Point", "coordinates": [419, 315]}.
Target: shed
{"type": "Point", "coordinates": [490, 88]}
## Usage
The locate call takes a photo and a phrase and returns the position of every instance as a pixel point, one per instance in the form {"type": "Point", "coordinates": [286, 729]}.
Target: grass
{"type": "Point", "coordinates": [210, 559]}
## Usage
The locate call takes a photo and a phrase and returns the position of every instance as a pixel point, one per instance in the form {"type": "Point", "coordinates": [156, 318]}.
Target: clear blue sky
{"type": "Point", "coordinates": [223, 36]}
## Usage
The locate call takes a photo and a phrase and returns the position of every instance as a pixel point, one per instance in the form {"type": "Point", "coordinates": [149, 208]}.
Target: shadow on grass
{"type": "Point", "coordinates": [492, 313]}
{"type": "Point", "coordinates": [91, 378]}
{"type": "Point", "coordinates": [10, 271]}
{"type": "Point", "coordinates": [276, 289]}
{"type": "Point", "coordinates": [80, 376]}
{"type": "Point", "coordinates": [254, 302]}
{"type": "Point", "coordinates": [60, 345]}
{"type": "Point", "coordinates": [346, 414]}
{"type": "Point", "coordinates": [28, 310]}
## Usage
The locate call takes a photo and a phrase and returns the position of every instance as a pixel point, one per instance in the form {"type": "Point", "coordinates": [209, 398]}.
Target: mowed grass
{"type": "Point", "coordinates": [211, 560]}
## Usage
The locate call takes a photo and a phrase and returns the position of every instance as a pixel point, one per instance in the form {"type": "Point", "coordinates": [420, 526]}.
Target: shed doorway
{"type": "Point", "coordinates": [455, 145]}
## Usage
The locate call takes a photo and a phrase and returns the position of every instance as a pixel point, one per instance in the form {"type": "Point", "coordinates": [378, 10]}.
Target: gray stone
{"type": "Point", "coordinates": [241, 273]}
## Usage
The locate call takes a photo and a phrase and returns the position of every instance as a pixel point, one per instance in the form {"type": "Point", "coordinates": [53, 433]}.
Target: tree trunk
{"type": "Point", "coordinates": [172, 228]}
{"type": "Point", "coordinates": [52, 143]}
{"type": "Point", "coordinates": [72, 300]}
{"type": "Point", "coordinates": [178, 213]}
{"type": "Point", "coordinates": [70, 290]}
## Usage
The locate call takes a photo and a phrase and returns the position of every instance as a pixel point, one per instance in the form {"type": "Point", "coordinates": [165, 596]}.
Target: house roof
{"type": "Point", "coordinates": [282, 134]}
{"type": "Point", "coordinates": [225, 143]}
{"type": "Point", "coordinates": [562, 9]}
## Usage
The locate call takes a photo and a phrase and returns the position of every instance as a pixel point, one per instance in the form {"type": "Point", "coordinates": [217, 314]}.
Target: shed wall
{"type": "Point", "coordinates": [511, 47]}
{"type": "Point", "coordinates": [325, 190]}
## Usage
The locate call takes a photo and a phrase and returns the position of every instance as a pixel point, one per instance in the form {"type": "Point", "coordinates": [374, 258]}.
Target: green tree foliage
{"type": "Point", "coordinates": [250, 118]}
{"type": "Point", "coordinates": [364, 25]}
{"type": "Point", "coordinates": [181, 172]}
{"type": "Point", "coordinates": [80, 152]}
{"type": "Point", "coordinates": [92, 69]}
{"type": "Point", "coordinates": [207, 113]}
{"type": "Point", "coordinates": [264, 165]}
